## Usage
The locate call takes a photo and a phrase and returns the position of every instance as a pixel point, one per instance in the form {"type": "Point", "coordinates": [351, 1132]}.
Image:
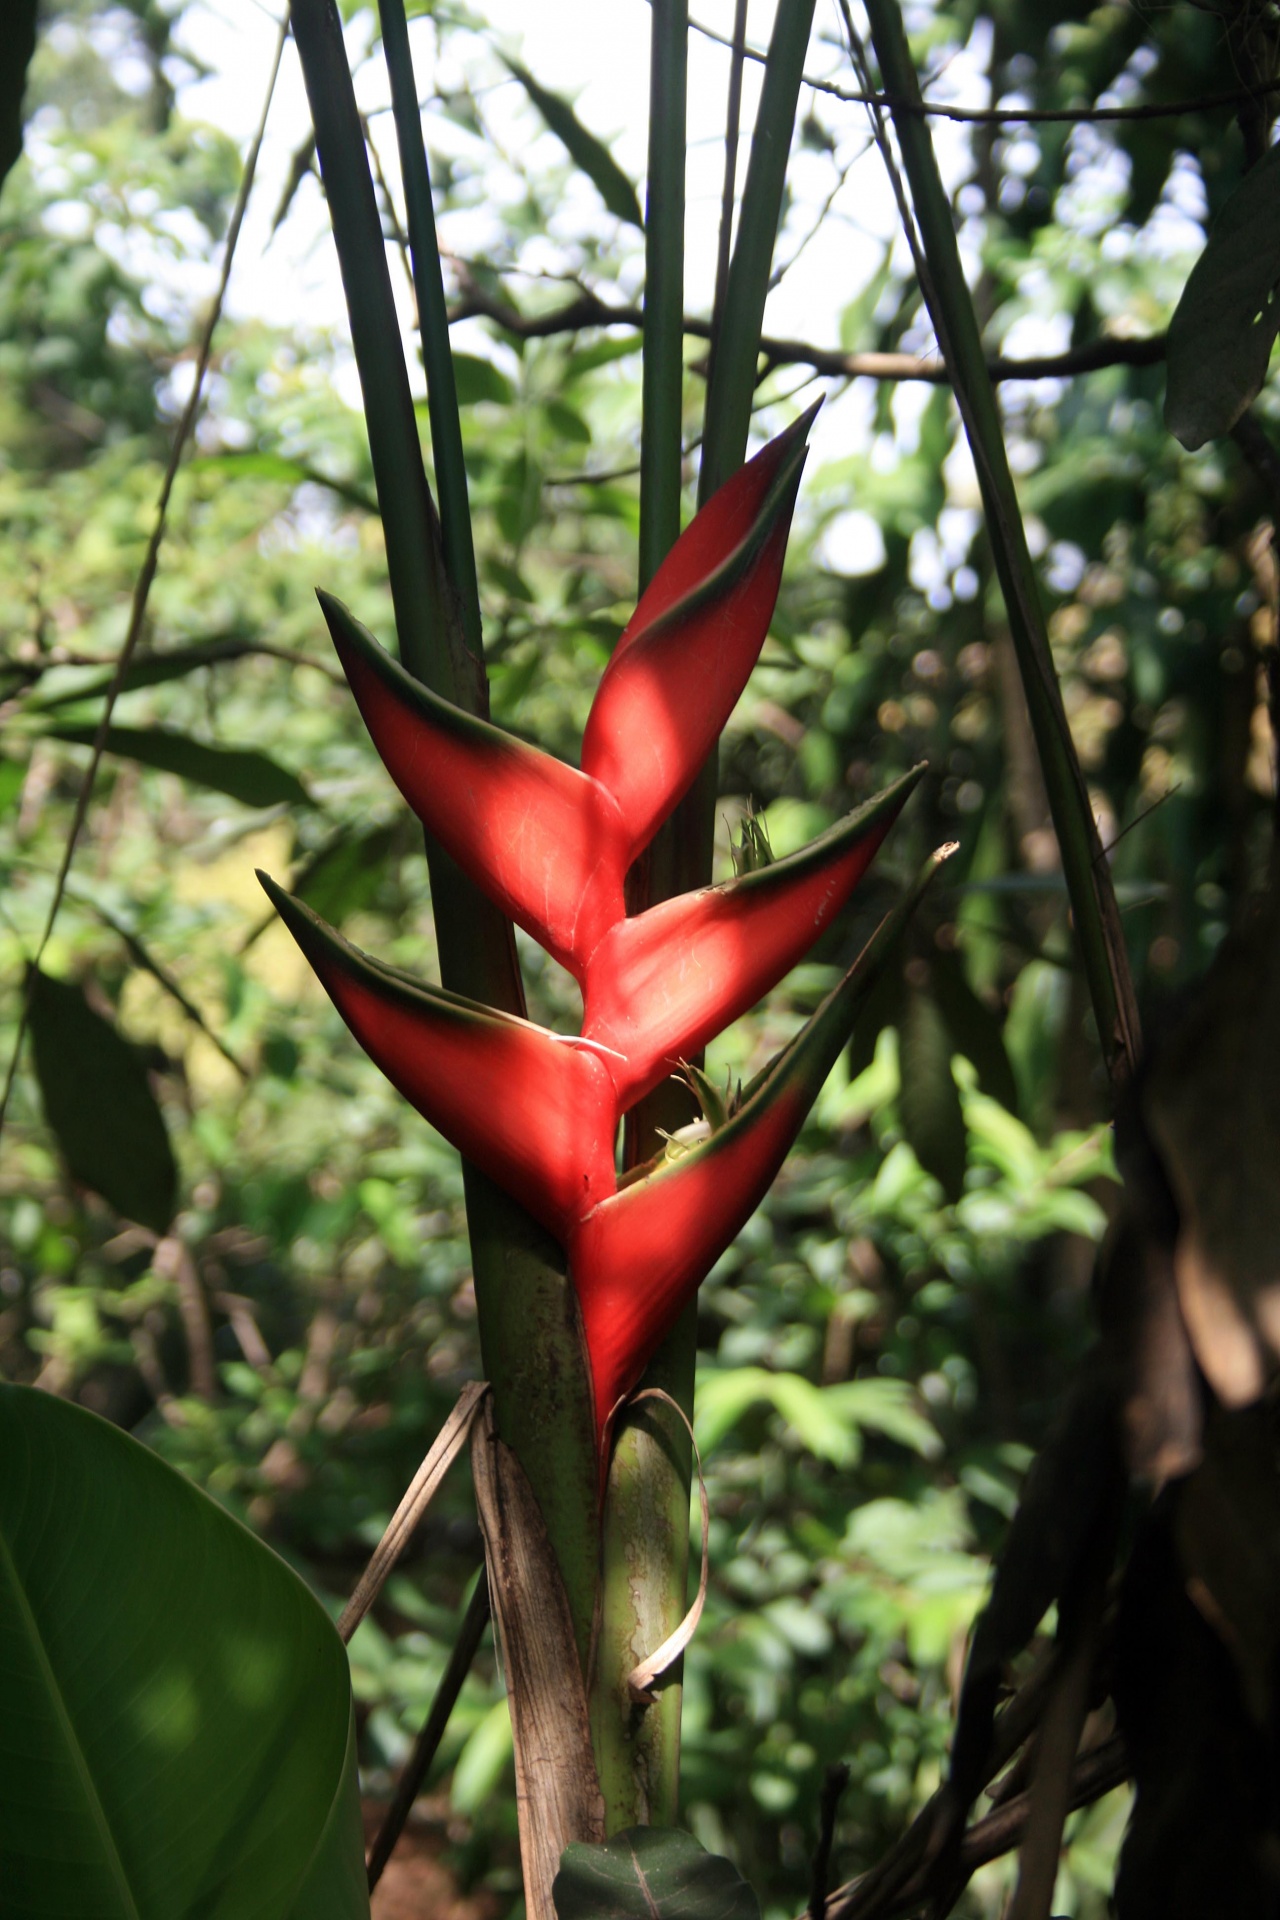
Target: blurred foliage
{"type": "Point", "coordinates": [882, 1349]}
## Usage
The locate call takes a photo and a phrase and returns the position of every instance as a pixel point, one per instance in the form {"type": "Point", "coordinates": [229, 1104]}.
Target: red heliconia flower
{"type": "Point", "coordinates": [552, 845]}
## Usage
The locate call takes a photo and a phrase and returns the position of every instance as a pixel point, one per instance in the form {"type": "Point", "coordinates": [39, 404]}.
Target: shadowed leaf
{"type": "Point", "coordinates": [99, 1104]}
{"type": "Point", "coordinates": [928, 1099]}
{"type": "Point", "coordinates": [252, 778]}
{"type": "Point", "coordinates": [20, 44]}
{"type": "Point", "coordinates": [1225, 324]}
{"type": "Point", "coordinates": [651, 1873]}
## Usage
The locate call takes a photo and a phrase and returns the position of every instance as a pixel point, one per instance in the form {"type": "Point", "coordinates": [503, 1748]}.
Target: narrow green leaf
{"type": "Point", "coordinates": [663, 370]}
{"type": "Point", "coordinates": [1225, 324]}
{"type": "Point", "coordinates": [583, 148]}
{"type": "Point", "coordinates": [733, 374]}
{"type": "Point", "coordinates": [100, 1107]}
{"type": "Point", "coordinates": [252, 778]}
{"type": "Point", "coordinates": [433, 324]}
{"type": "Point", "coordinates": [928, 1098]}
{"type": "Point", "coordinates": [1088, 877]}
{"type": "Point", "coordinates": [177, 1736]}
{"type": "Point", "coordinates": [144, 670]}
{"type": "Point", "coordinates": [20, 44]}
{"type": "Point", "coordinates": [431, 642]}
{"type": "Point", "coordinates": [650, 1873]}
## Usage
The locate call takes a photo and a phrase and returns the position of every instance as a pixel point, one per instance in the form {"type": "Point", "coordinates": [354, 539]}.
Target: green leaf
{"type": "Point", "coordinates": [144, 670]}
{"type": "Point", "coordinates": [250, 777]}
{"type": "Point", "coordinates": [594, 158]}
{"type": "Point", "coordinates": [99, 1104]}
{"type": "Point", "coordinates": [345, 875]}
{"type": "Point", "coordinates": [1225, 324]}
{"type": "Point", "coordinates": [177, 1736]}
{"type": "Point", "coordinates": [650, 1873]}
{"type": "Point", "coordinates": [975, 1030]}
{"type": "Point", "coordinates": [477, 379]}
{"type": "Point", "coordinates": [928, 1098]}
{"type": "Point", "coordinates": [12, 775]}
{"type": "Point", "coordinates": [20, 44]}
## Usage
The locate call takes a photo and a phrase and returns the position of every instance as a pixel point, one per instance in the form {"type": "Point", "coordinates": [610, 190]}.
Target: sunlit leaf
{"type": "Point", "coordinates": [177, 1735]}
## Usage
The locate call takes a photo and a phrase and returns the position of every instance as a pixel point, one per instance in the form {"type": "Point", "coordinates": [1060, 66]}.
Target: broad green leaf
{"type": "Point", "coordinates": [177, 1734]}
{"type": "Point", "coordinates": [250, 777]}
{"type": "Point", "coordinates": [650, 1873]}
{"type": "Point", "coordinates": [1225, 324]}
{"type": "Point", "coordinates": [99, 1104]}
{"type": "Point", "coordinates": [583, 148]}
{"type": "Point", "coordinates": [928, 1099]}
{"type": "Point", "coordinates": [20, 44]}
{"type": "Point", "coordinates": [477, 379]}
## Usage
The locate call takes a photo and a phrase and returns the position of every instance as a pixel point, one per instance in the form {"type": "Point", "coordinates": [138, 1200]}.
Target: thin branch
{"type": "Point", "coordinates": [1011, 116]}
{"type": "Point", "coordinates": [589, 310]}
{"type": "Point", "coordinates": [147, 573]}
{"type": "Point", "coordinates": [428, 1741]}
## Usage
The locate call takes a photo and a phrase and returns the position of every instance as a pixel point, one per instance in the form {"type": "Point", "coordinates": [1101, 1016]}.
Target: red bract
{"type": "Point", "coordinates": [539, 1112]}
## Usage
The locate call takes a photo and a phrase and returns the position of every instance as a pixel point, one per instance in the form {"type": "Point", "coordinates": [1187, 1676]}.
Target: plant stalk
{"type": "Point", "coordinates": [530, 1338]}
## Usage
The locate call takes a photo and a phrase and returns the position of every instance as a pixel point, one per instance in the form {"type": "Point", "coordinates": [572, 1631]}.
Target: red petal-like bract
{"type": "Point", "coordinates": [552, 846]}
{"type": "Point", "coordinates": [541, 839]}
{"type": "Point", "coordinates": [637, 1257]}
{"type": "Point", "coordinates": [678, 670]}
{"type": "Point", "coordinates": [535, 1113]}
{"type": "Point", "coordinates": [660, 985]}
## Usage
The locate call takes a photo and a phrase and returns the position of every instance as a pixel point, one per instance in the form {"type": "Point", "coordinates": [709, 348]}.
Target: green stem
{"type": "Point", "coordinates": [645, 1539]}
{"type": "Point", "coordinates": [530, 1337]}
{"type": "Point", "coordinates": [1084, 866]}
{"type": "Point", "coordinates": [433, 324]}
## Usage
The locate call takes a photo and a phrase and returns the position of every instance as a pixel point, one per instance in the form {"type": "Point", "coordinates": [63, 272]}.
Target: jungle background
{"type": "Point", "coordinates": [219, 1226]}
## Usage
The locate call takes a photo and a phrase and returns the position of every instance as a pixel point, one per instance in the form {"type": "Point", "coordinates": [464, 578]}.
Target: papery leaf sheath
{"type": "Point", "coordinates": [679, 668]}
{"type": "Point", "coordinates": [546, 843]}
{"type": "Point", "coordinates": [660, 985]}
{"type": "Point", "coordinates": [639, 1255]}
{"type": "Point", "coordinates": [534, 1112]}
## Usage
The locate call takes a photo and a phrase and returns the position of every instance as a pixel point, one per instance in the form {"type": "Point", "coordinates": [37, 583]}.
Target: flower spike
{"type": "Point", "coordinates": [534, 1112]}
{"type": "Point", "coordinates": [679, 668]}
{"type": "Point", "coordinates": [542, 840]}
{"type": "Point", "coordinates": [638, 1256]}
{"type": "Point", "coordinates": [660, 985]}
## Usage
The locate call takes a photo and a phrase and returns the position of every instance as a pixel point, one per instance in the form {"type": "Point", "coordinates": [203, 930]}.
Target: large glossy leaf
{"type": "Point", "coordinates": [99, 1104]}
{"type": "Point", "coordinates": [651, 1873]}
{"type": "Point", "coordinates": [252, 778]}
{"type": "Point", "coordinates": [1225, 324]}
{"type": "Point", "coordinates": [583, 148]}
{"type": "Point", "coordinates": [175, 1710]}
